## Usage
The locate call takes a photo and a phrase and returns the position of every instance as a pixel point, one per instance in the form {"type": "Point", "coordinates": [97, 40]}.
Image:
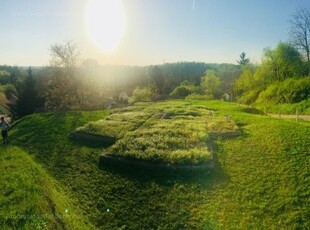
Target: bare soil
{"type": "Point", "coordinates": [283, 116]}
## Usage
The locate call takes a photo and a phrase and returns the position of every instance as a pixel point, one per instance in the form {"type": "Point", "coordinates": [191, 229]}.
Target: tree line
{"type": "Point", "coordinates": [283, 77]}
{"type": "Point", "coordinates": [70, 83]}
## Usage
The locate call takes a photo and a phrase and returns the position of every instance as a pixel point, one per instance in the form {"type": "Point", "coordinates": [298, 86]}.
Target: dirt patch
{"type": "Point", "coordinates": [300, 117]}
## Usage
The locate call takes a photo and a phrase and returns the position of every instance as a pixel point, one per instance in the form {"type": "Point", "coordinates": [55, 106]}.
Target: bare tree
{"type": "Point", "coordinates": [64, 83]}
{"type": "Point", "coordinates": [300, 33]}
{"type": "Point", "coordinates": [64, 55]}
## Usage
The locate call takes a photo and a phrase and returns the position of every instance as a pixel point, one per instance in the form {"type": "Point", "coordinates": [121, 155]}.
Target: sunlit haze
{"type": "Point", "coordinates": [105, 21]}
{"type": "Point", "coordinates": [143, 32]}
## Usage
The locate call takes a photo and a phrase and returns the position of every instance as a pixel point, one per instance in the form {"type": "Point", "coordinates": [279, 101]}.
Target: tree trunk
{"type": "Point", "coordinates": [307, 49]}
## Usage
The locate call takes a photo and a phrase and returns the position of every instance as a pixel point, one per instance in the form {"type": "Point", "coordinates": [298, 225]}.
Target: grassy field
{"type": "Point", "coordinates": [261, 180]}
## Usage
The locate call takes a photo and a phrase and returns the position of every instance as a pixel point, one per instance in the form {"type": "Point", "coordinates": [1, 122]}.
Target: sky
{"type": "Point", "coordinates": [152, 32]}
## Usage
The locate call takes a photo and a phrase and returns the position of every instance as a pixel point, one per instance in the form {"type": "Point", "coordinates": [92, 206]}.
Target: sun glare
{"type": "Point", "coordinates": [105, 20]}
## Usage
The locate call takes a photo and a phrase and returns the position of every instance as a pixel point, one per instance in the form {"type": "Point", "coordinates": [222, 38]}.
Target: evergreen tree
{"type": "Point", "coordinates": [27, 96]}
{"type": "Point", "coordinates": [243, 60]}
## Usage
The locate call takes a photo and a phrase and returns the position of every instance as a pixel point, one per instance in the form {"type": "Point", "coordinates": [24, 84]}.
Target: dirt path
{"type": "Point", "coordinates": [283, 116]}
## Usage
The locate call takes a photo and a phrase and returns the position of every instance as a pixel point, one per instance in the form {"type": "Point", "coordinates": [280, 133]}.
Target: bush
{"type": "Point", "coordinates": [269, 95]}
{"type": "Point", "coordinates": [249, 97]}
{"type": "Point", "coordinates": [289, 91]}
{"type": "Point", "coordinates": [141, 95]}
{"type": "Point", "coordinates": [296, 90]}
{"type": "Point", "coordinates": [181, 91]}
{"type": "Point", "coordinates": [196, 96]}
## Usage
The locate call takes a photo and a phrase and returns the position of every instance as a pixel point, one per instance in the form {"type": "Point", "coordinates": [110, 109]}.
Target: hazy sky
{"type": "Point", "coordinates": [155, 31]}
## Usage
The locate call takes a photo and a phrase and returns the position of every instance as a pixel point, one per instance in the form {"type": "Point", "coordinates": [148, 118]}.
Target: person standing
{"type": "Point", "coordinates": [4, 130]}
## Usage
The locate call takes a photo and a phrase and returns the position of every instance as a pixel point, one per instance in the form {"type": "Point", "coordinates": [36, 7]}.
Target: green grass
{"type": "Point", "coordinates": [268, 171]}
{"type": "Point", "coordinates": [116, 125]}
{"type": "Point", "coordinates": [269, 175]}
{"type": "Point", "coordinates": [30, 198]}
{"type": "Point", "coordinates": [261, 181]}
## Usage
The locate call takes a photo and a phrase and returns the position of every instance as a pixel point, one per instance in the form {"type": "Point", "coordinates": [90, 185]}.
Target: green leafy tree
{"type": "Point", "coordinates": [245, 81]}
{"type": "Point", "coordinates": [212, 84]}
{"type": "Point", "coordinates": [250, 83]}
{"type": "Point", "coordinates": [157, 78]}
{"type": "Point", "coordinates": [3, 76]}
{"type": "Point", "coordinates": [264, 83]}
{"type": "Point", "coordinates": [283, 62]}
{"type": "Point", "coordinates": [10, 91]}
{"type": "Point", "coordinates": [11, 75]}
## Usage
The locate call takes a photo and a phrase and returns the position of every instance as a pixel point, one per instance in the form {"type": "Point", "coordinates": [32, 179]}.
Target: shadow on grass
{"type": "Point", "coordinates": [91, 141]}
{"type": "Point", "coordinates": [165, 176]}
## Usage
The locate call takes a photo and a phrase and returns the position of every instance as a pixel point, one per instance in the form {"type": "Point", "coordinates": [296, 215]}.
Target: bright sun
{"type": "Point", "coordinates": [106, 23]}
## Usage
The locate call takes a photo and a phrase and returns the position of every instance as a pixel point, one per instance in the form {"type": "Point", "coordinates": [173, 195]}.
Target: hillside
{"type": "Point", "coordinates": [261, 179]}
{"type": "Point", "coordinates": [31, 199]}
{"type": "Point", "coordinates": [3, 104]}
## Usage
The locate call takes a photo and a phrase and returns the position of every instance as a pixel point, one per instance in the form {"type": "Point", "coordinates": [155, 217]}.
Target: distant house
{"type": "Point", "coordinates": [123, 97]}
{"type": "Point", "coordinates": [109, 103]}
{"type": "Point", "coordinates": [226, 97]}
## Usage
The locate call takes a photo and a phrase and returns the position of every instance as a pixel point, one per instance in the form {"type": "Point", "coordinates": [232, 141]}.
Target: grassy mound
{"type": "Point", "coordinates": [173, 132]}
{"type": "Point", "coordinates": [115, 125]}
{"type": "Point", "coordinates": [30, 198]}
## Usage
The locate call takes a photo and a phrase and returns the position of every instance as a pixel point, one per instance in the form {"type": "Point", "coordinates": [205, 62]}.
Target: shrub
{"type": "Point", "coordinates": [269, 95]}
{"type": "Point", "coordinates": [289, 91]}
{"type": "Point", "coordinates": [249, 97]}
{"type": "Point", "coordinates": [181, 91]}
{"type": "Point", "coordinates": [141, 95]}
{"type": "Point", "coordinates": [196, 96]}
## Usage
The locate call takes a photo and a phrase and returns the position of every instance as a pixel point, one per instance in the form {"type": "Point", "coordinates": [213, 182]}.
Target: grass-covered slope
{"type": "Point", "coordinates": [30, 198]}
{"type": "Point", "coordinates": [267, 171]}
{"type": "Point", "coordinates": [3, 103]}
{"type": "Point", "coordinates": [261, 181]}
